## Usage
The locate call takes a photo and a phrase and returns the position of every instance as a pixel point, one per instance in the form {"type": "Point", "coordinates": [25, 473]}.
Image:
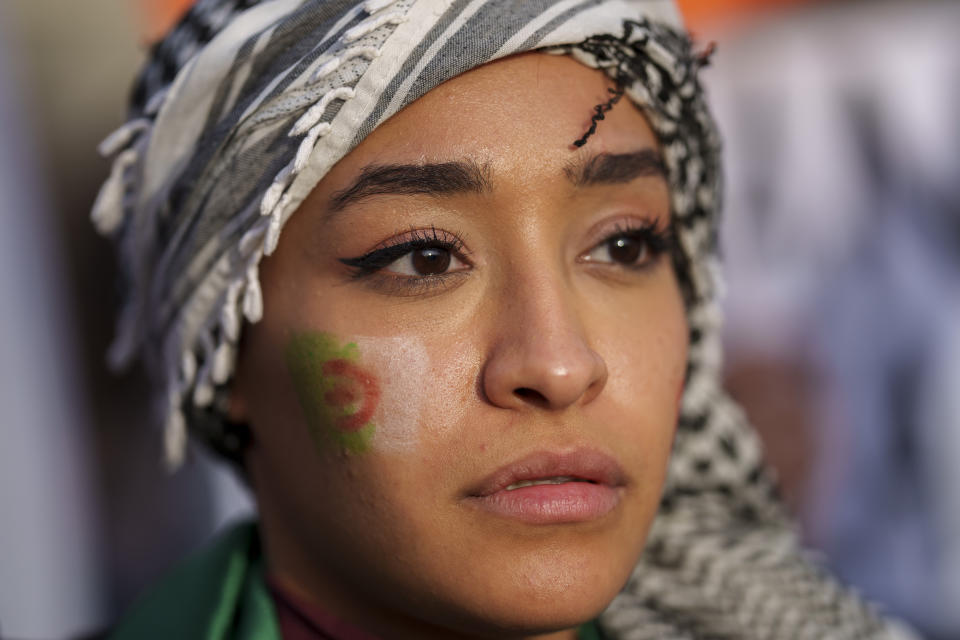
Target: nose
{"type": "Point", "coordinates": [541, 356]}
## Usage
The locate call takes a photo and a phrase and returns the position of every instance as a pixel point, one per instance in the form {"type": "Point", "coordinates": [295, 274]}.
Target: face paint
{"type": "Point", "coordinates": [405, 379]}
{"type": "Point", "coordinates": [338, 396]}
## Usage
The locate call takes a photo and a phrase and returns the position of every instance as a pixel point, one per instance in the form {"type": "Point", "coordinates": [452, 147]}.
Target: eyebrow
{"type": "Point", "coordinates": [468, 176]}
{"type": "Point", "coordinates": [434, 179]}
{"type": "Point", "coordinates": [615, 168]}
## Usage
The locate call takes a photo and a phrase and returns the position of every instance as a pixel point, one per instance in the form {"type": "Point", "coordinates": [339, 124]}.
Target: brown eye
{"type": "Point", "coordinates": [424, 262]}
{"type": "Point", "coordinates": [626, 250]}
{"type": "Point", "coordinates": [430, 261]}
{"type": "Point", "coordinates": [623, 249]}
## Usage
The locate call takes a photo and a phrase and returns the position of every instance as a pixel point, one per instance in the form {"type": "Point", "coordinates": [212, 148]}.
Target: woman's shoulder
{"type": "Point", "coordinates": [216, 594]}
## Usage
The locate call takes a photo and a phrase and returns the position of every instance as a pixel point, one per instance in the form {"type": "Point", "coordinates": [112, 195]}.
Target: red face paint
{"type": "Point", "coordinates": [346, 394]}
{"type": "Point", "coordinates": [339, 397]}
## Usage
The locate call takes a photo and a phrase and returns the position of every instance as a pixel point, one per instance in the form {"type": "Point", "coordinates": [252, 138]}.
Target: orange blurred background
{"type": "Point", "coordinates": [700, 15]}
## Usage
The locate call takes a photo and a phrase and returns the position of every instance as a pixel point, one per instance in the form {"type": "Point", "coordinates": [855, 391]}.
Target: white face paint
{"type": "Point", "coordinates": [401, 366]}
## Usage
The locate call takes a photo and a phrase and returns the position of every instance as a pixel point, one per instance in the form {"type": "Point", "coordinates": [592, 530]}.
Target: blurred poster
{"type": "Point", "coordinates": [842, 242]}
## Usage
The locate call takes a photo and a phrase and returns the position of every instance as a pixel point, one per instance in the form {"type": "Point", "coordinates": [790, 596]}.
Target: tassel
{"type": "Point", "coordinates": [122, 136]}
{"type": "Point", "coordinates": [275, 191]}
{"type": "Point", "coordinates": [309, 119]}
{"type": "Point", "coordinates": [108, 209]}
{"type": "Point", "coordinates": [223, 359]}
{"type": "Point", "coordinates": [253, 296]}
{"type": "Point", "coordinates": [365, 27]}
{"type": "Point", "coordinates": [229, 318]}
{"type": "Point", "coordinates": [325, 69]}
{"type": "Point", "coordinates": [273, 231]}
{"type": "Point", "coordinates": [306, 147]}
{"type": "Point", "coordinates": [328, 67]}
{"type": "Point", "coordinates": [370, 53]}
{"type": "Point", "coordinates": [188, 368]}
{"type": "Point", "coordinates": [175, 438]}
{"type": "Point", "coordinates": [155, 102]}
{"type": "Point", "coordinates": [203, 393]}
{"type": "Point", "coordinates": [272, 197]}
{"type": "Point", "coordinates": [203, 389]}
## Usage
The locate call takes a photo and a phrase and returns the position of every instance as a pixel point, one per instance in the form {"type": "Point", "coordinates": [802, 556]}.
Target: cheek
{"type": "Point", "coordinates": [426, 391]}
{"type": "Point", "coordinates": [368, 393]}
{"type": "Point", "coordinates": [402, 366]}
{"type": "Point", "coordinates": [647, 361]}
{"type": "Point", "coordinates": [338, 394]}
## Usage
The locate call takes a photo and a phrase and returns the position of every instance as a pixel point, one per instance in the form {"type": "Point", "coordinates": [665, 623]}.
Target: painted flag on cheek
{"type": "Point", "coordinates": [338, 396]}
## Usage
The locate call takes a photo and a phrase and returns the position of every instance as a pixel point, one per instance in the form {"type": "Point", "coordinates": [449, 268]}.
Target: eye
{"type": "Point", "coordinates": [425, 261]}
{"type": "Point", "coordinates": [631, 248]}
{"type": "Point", "coordinates": [622, 249]}
{"type": "Point", "coordinates": [418, 255]}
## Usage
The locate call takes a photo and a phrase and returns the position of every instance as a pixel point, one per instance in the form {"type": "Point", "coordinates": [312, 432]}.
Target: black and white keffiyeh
{"type": "Point", "coordinates": [247, 104]}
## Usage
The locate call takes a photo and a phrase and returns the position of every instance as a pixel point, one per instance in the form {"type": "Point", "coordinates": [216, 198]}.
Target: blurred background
{"type": "Point", "coordinates": [842, 243]}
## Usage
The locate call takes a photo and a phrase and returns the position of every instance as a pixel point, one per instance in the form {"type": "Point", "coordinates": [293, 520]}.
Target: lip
{"type": "Point", "coordinates": [589, 486]}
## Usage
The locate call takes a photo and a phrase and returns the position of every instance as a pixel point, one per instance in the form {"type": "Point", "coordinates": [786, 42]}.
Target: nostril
{"type": "Point", "coordinates": [531, 395]}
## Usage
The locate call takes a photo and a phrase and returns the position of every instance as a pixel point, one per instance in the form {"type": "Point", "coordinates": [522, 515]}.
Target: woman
{"type": "Point", "coordinates": [464, 359]}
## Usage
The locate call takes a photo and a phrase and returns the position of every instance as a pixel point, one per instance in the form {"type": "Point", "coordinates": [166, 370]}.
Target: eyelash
{"type": "Point", "coordinates": [656, 239]}
{"type": "Point", "coordinates": [373, 263]}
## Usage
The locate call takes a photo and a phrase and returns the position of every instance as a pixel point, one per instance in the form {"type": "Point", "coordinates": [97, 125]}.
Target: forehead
{"type": "Point", "coordinates": [524, 110]}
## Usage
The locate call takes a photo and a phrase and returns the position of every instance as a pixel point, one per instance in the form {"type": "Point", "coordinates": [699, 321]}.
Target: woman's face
{"type": "Point", "coordinates": [464, 387]}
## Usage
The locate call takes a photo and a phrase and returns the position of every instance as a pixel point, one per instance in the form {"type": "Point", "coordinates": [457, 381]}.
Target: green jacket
{"type": "Point", "coordinates": [219, 594]}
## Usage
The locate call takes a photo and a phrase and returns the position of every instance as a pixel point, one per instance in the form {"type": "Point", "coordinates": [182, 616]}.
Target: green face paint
{"type": "Point", "coordinates": [338, 396]}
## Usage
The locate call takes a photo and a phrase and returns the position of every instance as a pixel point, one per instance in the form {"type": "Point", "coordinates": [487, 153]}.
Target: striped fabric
{"type": "Point", "coordinates": [246, 105]}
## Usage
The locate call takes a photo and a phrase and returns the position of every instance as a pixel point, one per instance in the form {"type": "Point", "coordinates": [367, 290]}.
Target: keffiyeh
{"type": "Point", "coordinates": [246, 105]}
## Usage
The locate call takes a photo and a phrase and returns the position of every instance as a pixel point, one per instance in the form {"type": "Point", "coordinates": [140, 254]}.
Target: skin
{"type": "Point", "coordinates": [535, 341]}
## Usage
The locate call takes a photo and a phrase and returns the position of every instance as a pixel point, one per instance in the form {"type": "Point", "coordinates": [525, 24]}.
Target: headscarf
{"type": "Point", "coordinates": [246, 105]}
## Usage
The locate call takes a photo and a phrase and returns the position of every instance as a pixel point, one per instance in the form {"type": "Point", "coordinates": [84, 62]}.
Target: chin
{"type": "Point", "coordinates": [551, 589]}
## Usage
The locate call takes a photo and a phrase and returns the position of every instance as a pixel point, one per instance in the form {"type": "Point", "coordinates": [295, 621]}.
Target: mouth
{"type": "Point", "coordinates": [551, 488]}
{"type": "Point", "coordinates": [539, 482]}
